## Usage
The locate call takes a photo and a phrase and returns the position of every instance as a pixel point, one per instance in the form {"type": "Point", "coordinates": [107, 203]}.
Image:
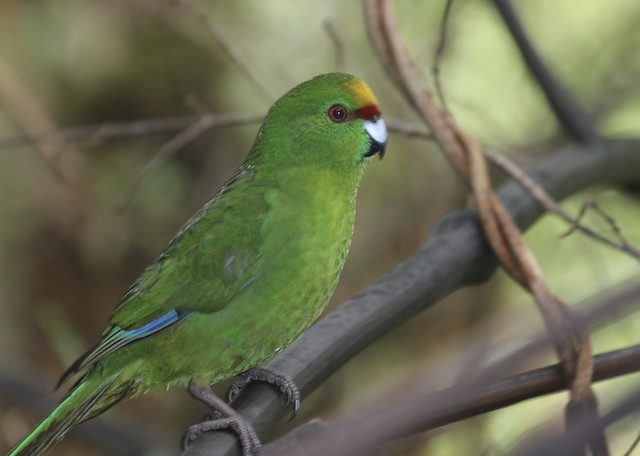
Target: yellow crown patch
{"type": "Point", "coordinates": [361, 92]}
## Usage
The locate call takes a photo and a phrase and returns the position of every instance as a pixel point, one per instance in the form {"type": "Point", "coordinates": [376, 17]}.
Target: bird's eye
{"type": "Point", "coordinates": [337, 113]}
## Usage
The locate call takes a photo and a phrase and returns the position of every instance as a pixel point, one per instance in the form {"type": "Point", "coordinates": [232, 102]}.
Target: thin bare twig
{"type": "Point", "coordinates": [102, 131]}
{"type": "Point", "coordinates": [610, 221]}
{"type": "Point", "coordinates": [26, 108]}
{"type": "Point", "coordinates": [633, 446]}
{"type": "Point", "coordinates": [197, 128]}
{"type": "Point", "coordinates": [549, 204]}
{"type": "Point", "coordinates": [435, 68]}
{"type": "Point", "coordinates": [229, 47]}
{"type": "Point", "coordinates": [591, 204]}
{"type": "Point", "coordinates": [112, 130]}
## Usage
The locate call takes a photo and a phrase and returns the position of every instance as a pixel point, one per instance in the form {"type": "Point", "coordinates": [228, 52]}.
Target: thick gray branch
{"type": "Point", "coordinates": [455, 255]}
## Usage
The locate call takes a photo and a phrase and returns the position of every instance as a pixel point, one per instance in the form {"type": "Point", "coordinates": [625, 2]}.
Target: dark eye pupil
{"type": "Point", "coordinates": [337, 113]}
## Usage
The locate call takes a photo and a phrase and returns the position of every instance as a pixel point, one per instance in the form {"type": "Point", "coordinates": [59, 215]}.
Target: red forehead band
{"type": "Point", "coordinates": [367, 112]}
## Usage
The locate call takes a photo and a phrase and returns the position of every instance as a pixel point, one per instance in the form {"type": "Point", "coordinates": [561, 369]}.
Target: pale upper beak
{"type": "Point", "coordinates": [377, 131]}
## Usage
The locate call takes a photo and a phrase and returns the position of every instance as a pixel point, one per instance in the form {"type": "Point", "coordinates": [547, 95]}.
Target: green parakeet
{"type": "Point", "coordinates": [246, 274]}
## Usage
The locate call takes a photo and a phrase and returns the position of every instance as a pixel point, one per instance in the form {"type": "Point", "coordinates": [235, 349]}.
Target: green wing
{"type": "Point", "coordinates": [211, 260]}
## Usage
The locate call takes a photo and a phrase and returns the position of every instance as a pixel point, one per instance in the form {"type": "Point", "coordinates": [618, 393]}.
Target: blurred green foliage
{"type": "Point", "coordinates": [67, 253]}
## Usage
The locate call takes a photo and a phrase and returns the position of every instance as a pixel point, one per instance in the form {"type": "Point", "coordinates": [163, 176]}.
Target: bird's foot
{"type": "Point", "coordinates": [213, 415]}
{"type": "Point", "coordinates": [274, 377]}
{"type": "Point", "coordinates": [249, 440]}
{"type": "Point", "coordinates": [224, 418]}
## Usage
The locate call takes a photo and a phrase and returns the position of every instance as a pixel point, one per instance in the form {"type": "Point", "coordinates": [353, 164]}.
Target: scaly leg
{"type": "Point", "coordinates": [228, 418]}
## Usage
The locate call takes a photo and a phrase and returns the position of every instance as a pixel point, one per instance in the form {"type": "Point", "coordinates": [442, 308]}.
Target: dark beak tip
{"type": "Point", "coordinates": [376, 147]}
{"type": "Point", "coordinates": [383, 150]}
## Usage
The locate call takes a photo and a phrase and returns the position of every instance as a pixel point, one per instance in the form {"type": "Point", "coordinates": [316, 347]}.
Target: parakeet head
{"type": "Point", "coordinates": [331, 120]}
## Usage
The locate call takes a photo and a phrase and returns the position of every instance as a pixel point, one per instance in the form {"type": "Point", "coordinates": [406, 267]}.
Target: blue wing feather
{"type": "Point", "coordinates": [156, 325]}
{"type": "Point", "coordinates": [117, 337]}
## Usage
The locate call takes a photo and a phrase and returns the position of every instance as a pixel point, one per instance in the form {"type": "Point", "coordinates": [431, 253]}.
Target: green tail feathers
{"type": "Point", "coordinates": [84, 401]}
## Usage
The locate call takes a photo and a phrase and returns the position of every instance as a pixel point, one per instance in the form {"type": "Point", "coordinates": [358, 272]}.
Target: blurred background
{"type": "Point", "coordinates": [77, 224]}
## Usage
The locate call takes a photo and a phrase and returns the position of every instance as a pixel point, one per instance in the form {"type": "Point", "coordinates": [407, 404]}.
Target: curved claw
{"type": "Point", "coordinates": [249, 440]}
{"type": "Point", "coordinates": [225, 418]}
{"type": "Point", "coordinates": [283, 381]}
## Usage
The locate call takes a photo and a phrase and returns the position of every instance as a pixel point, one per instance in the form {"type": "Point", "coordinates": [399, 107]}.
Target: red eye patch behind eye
{"type": "Point", "coordinates": [367, 112]}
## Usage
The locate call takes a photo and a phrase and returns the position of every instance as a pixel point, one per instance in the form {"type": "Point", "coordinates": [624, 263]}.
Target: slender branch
{"type": "Point", "coordinates": [186, 136]}
{"type": "Point", "coordinates": [112, 130]}
{"type": "Point", "coordinates": [406, 416]}
{"type": "Point", "coordinates": [550, 205]}
{"type": "Point", "coordinates": [229, 47]}
{"type": "Point", "coordinates": [572, 442]}
{"type": "Point", "coordinates": [455, 255]}
{"type": "Point", "coordinates": [64, 162]}
{"type": "Point", "coordinates": [590, 203]}
{"type": "Point", "coordinates": [633, 446]}
{"type": "Point", "coordinates": [435, 67]}
{"type": "Point", "coordinates": [572, 118]}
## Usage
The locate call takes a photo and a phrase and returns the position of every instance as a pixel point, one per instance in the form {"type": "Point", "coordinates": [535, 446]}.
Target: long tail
{"type": "Point", "coordinates": [86, 400]}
